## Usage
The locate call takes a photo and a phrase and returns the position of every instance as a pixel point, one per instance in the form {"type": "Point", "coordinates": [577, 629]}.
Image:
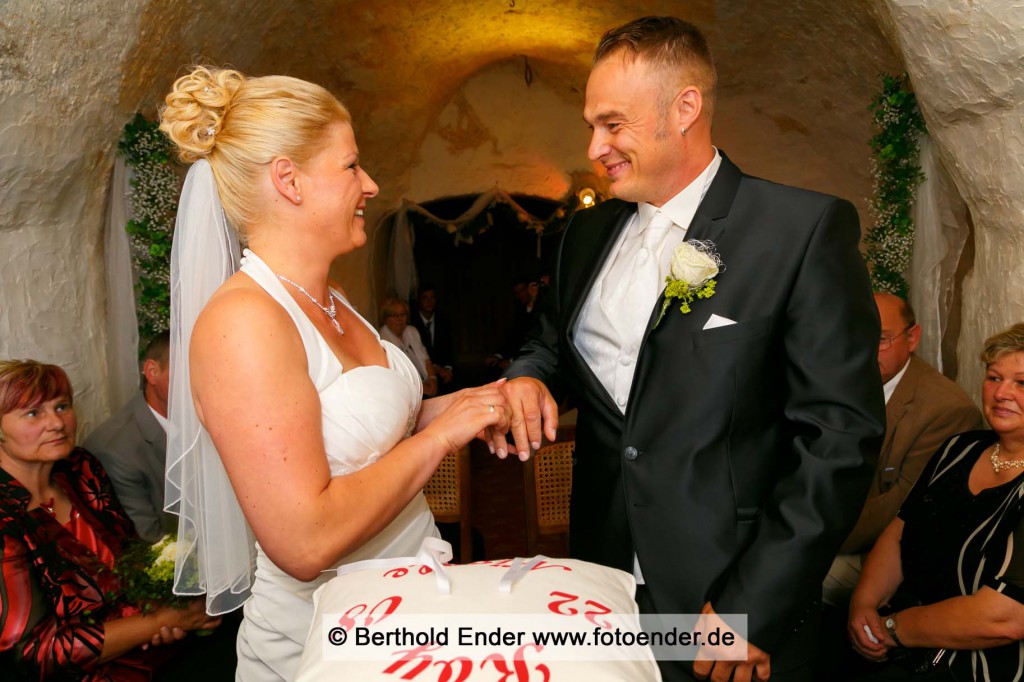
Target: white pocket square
{"type": "Point", "coordinates": [717, 321]}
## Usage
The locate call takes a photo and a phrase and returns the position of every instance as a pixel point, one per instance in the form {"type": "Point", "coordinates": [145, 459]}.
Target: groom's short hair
{"type": "Point", "coordinates": [676, 46]}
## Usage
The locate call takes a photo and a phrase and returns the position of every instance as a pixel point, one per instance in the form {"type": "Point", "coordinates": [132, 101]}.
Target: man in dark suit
{"type": "Point", "coordinates": [722, 454]}
{"type": "Point", "coordinates": [526, 292]}
{"type": "Point", "coordinates": [436, 334]}
{"type": "Point", "coordinates": [132, 446]}
{"type": "Point", "coordinates": [922, 409]}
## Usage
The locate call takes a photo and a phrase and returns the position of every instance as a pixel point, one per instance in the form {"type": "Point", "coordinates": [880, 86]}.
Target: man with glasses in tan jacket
{"type": "Point", "coordinates": [922, 409]}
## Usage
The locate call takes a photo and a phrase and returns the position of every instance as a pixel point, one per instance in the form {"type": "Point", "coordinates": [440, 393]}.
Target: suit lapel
{"type": "Point", "coordinates": [153, 434]}
{"type": "Point", "coordinates": [900, 401]}
{"type": "Point", "coordinates": [708, 223]}
{"type": "Point", "coordinates": [601, 238]}
{"type": "Point", "coordinates": [597, 244]}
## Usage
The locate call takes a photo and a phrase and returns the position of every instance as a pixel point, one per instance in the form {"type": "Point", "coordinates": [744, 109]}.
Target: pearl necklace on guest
{"type": "Point", "coordinates": [331, 312]}
{"type": "Point", "coordinates": [999, 464]}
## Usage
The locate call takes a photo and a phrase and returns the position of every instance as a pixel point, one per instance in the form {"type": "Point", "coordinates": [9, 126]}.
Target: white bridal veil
{"type": "Point", "coordinates": [216, 549]}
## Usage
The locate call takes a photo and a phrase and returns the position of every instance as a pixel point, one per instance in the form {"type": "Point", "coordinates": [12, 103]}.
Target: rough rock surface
{"type": "Point", "coordinates": [964, 62]}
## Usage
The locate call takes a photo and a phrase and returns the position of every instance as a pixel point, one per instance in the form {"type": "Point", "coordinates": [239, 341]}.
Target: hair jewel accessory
{"type": "Point", "coordinates": [206, 88]}
{"type": "Point", "coordinates": [210, 131]}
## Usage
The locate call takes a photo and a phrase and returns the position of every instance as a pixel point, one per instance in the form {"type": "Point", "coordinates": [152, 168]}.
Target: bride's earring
{"type": "Point", "coordinates": [682, 130]}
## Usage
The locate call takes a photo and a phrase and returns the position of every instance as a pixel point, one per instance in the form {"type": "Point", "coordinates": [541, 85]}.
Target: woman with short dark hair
{"type": "Point", "coordinates": [61, 528]}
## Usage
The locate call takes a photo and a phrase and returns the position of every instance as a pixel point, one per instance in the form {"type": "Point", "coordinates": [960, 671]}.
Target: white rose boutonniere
{"type": "Point", "coordinates": [695, 265]}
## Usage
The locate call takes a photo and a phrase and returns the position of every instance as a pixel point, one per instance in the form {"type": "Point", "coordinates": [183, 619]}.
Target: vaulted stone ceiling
{"type": "Point", "coordinates": [806, 67]}
{"type": "Point", "coordinates": [396, 64]}
{"type": "Point", "coordinates": [796, 79]}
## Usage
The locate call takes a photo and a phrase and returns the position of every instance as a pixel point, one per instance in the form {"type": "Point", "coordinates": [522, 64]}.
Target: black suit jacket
{"type": "Point", "coordinates": [746, 450]}
{"type": "Point", "coordinates": [442, 349]}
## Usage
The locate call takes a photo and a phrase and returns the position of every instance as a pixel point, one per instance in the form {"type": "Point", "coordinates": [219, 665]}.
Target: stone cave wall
{"type": "Point", "coordinates": [498, 130]}
{"type": "Point", "coordinates": [59, 120]}
{"type": "Point", "coordinates": [964, 61]}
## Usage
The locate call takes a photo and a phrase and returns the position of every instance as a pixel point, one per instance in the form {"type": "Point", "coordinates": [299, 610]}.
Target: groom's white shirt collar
{"type": "Point", "coordinates": [682, 207]}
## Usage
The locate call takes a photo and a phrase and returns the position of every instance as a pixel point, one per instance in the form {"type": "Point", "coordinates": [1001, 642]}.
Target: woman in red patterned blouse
{"type": "Point", "coordinates": [61, 528]}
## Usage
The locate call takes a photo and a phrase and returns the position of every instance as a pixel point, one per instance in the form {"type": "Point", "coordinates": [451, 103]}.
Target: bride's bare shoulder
{"type": "Point", "coordinates": [241, 312]}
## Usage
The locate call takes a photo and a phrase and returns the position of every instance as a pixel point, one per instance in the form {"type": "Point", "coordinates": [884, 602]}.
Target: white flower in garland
{"type": "Point", "coordinates": [896, 176]}
{"type": "Point", "coordinates": [153, 199]}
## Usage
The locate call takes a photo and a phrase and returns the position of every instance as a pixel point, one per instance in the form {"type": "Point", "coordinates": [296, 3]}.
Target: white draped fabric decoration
{"type": "Point", "coordinates": [940, 232]}
{"type": "Point", "coordinates": [402, 280]}
{"type": "Point", "coordinates": [121, 324]}
{"type": "Point", "coordinates": [216, 548]}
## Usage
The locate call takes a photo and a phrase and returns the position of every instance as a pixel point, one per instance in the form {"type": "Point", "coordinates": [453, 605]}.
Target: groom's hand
{"type": "Point", "coordinates": [757, 667]}
{"type": "Point", "coordinates": [534, 415]}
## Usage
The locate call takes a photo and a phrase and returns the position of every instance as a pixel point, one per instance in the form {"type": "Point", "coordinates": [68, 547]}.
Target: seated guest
{"type": "Point", "coordinates": [436, 334]}
{"type": "Point", "coordinates": [132, 446]}
{"type": "Point", "coordinates": [922, 409]}
{"type": "Point", "coordinates": [61, 528]}
{"type": "Point", "coordinates": [526, 291]}
{"type": "Point", "coordinates": [397, 330]}
{"type": "Point", "coordinates": [948, 571]}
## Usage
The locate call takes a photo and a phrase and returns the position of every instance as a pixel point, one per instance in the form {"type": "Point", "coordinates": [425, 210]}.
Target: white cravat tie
{"type": "Point", "coordinates": [640, 287]}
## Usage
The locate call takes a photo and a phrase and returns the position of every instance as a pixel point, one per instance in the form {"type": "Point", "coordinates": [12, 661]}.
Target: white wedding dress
{"type": "Point", "coordinates": [366, 411]}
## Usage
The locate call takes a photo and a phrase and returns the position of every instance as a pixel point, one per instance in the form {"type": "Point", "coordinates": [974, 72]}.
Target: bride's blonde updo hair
{"type": "Point", "coordinates": [240, 124]}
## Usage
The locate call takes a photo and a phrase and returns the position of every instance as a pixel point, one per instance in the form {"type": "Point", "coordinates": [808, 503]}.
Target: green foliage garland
{"type": "Point", "coordinates": [153, 198]}
{"type": "Point", "coordinates": [897, 174]}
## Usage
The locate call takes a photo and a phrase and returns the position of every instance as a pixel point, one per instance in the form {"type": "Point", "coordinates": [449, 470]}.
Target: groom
{"type": "Point", "coordinates": [722, 454]}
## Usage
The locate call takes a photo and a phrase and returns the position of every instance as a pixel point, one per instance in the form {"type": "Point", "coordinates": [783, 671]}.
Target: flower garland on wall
{"type": "Point", "coordinates": [480, 217]}
{"type": "Point", "coordinates": [897, 174]}
{"type": "Point", "coordinates": [153, 198]}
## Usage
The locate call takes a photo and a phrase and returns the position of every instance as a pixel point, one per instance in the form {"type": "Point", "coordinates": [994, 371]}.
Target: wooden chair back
{"type": "Point", "coordinates": [447, 494]}
{"type": "Point", "coordinates": [548, 483]}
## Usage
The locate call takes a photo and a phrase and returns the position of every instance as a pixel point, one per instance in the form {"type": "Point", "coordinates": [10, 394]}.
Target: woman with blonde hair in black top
{"type": "Point", "coordinates": [942, 591]}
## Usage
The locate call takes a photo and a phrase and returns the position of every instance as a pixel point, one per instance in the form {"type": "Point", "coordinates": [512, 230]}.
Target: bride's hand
{"type": "Point", "coordinates": [473, 411]}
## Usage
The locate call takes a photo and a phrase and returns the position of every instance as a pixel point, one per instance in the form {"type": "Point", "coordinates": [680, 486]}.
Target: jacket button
{"type": "Point", "coordinates": [630, 453]}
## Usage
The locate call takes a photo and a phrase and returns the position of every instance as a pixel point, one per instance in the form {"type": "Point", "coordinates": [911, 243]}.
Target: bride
{"type": "Point", "coordinates": [315, 421]}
